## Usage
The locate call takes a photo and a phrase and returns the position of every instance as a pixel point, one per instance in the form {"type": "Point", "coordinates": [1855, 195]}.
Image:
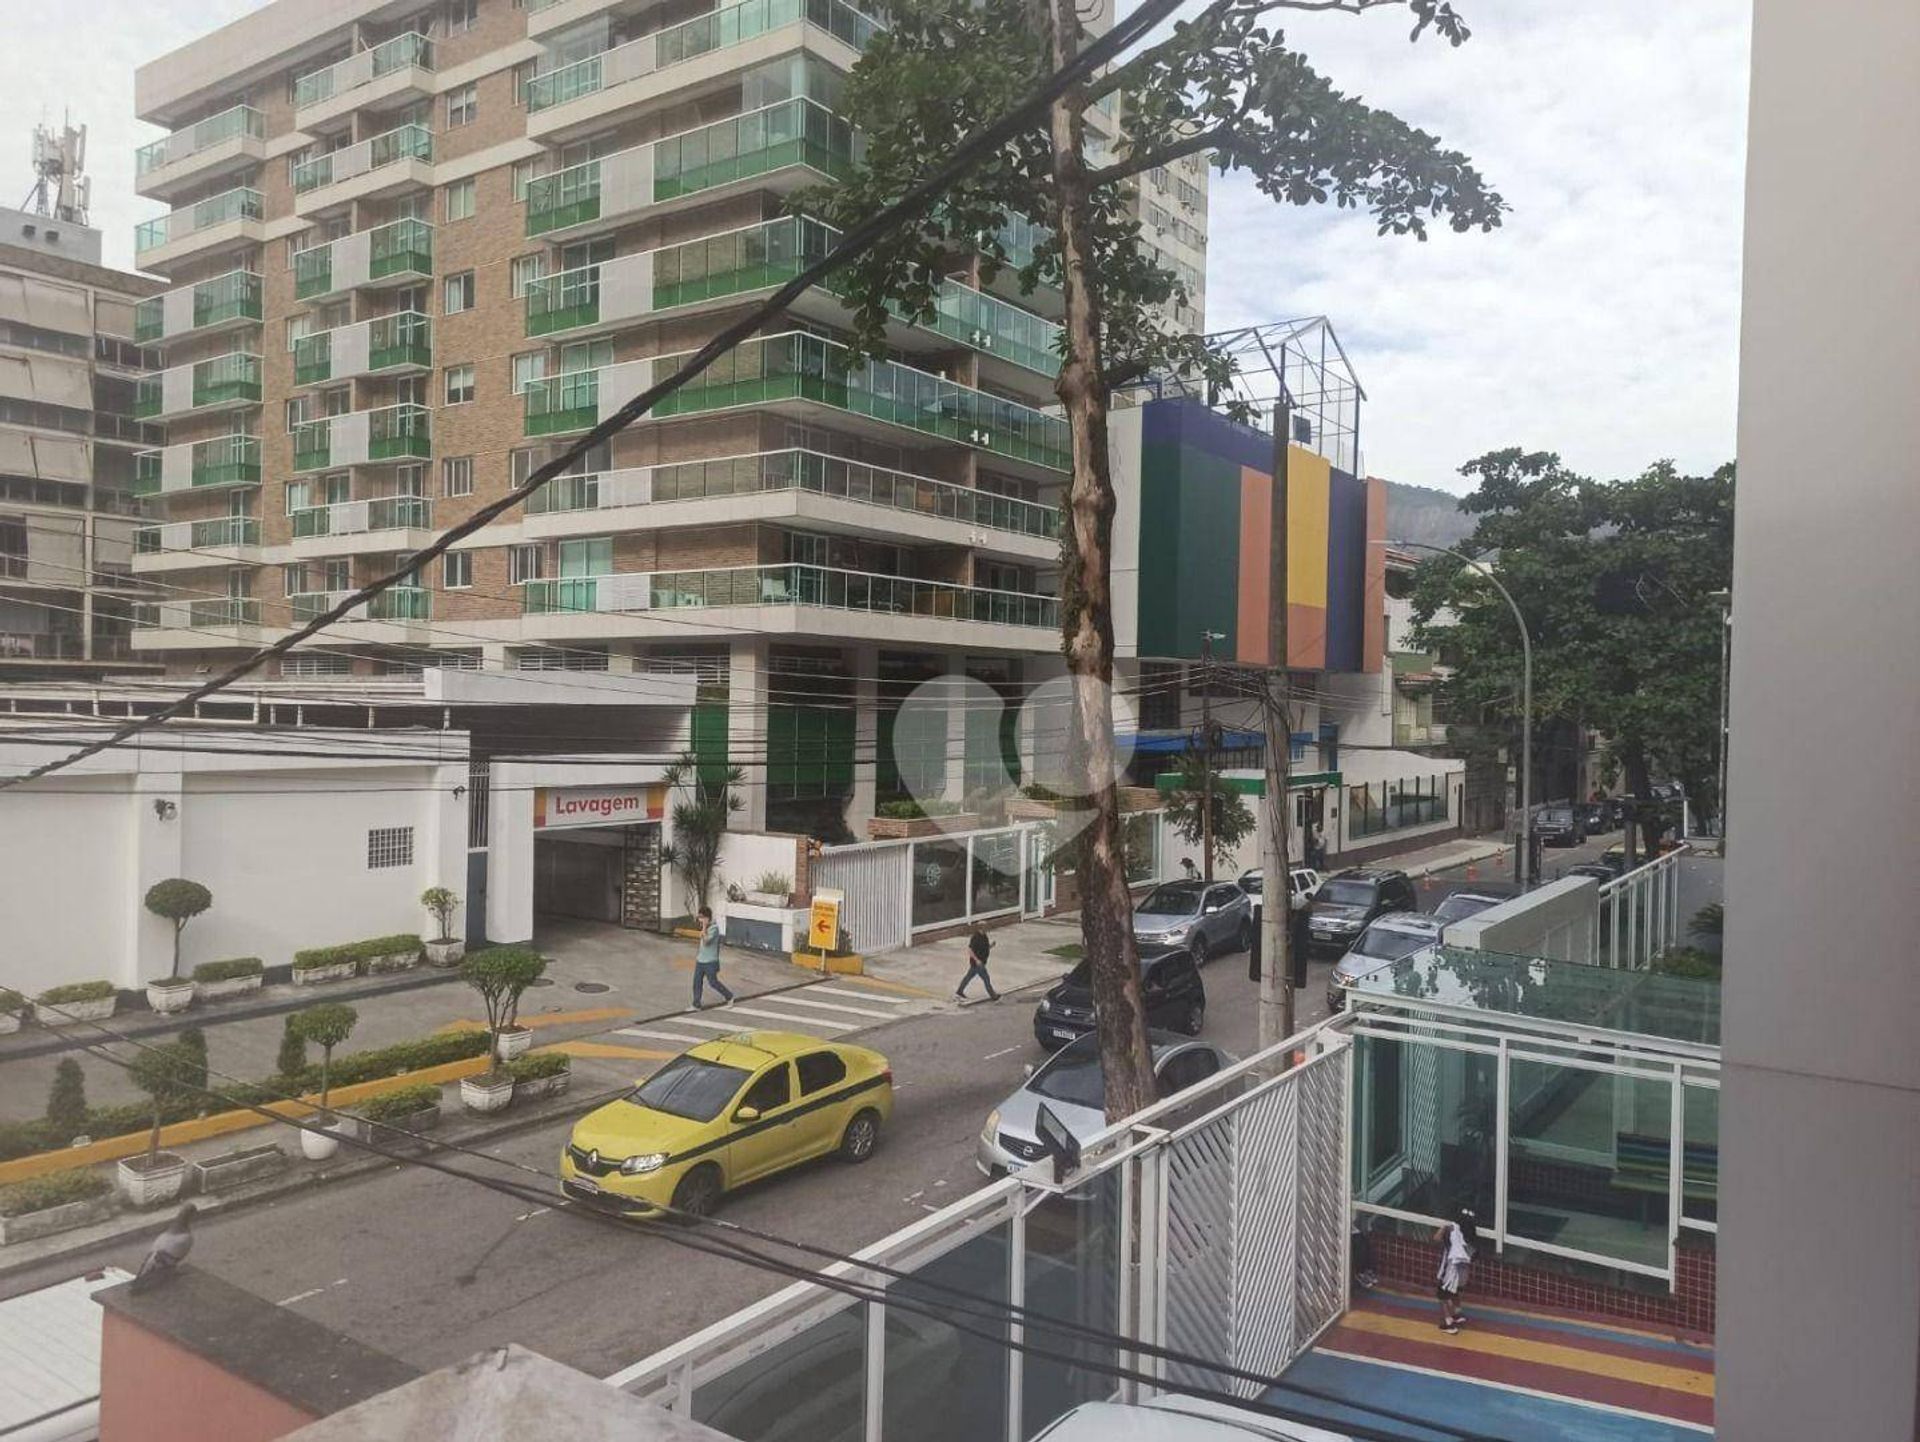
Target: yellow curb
{"type": "Point", "coordinates": [830, 965]}
{"type": "Point", "coordinates": [201, 1129]}
{"type": "Point", "coordinates": [608, 1049]}
{"type": "Point", "coordinates": [557, 1018]}
{"type": "Point", "coordinates": [900, 986]}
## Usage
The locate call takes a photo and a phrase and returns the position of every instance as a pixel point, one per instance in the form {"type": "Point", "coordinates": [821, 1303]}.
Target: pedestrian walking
{"type": "Point", "coordinates": [1456, 1240]}
{"type": "Point", "coordinates": [706, 962]}
{"type": "Point", "coordinates": [1316, 847]}
{"type": "Point", "coordinates": [979, 947]}
{"type": "Point", "coordinates": [1299, 937]}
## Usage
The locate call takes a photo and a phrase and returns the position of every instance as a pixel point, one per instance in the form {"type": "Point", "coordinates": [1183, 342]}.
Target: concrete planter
{"type": "Point", "coordinates": [392, 961]}
{"type": "Point", "coordinates": [152, 1186]}
{"type": "Point", "coordinates": [513, 1041]}
{"type": "Point", "coordinates": [9, 1022]}
{"type": "Point", "coordinates": [232, 1169]}
{"type": "Point", "coordinates": [29, 1226]}
{"type": "Point", "coordinates": [71, 1011]}
{"type": "Point", "coordinates": [546, 1086]}
{"type": "Point", "coordinates": [842, 964]}
{"type": "Point", "coordinates": [445, 953]}
{"type": "Point", "coordinates": [318, 1146]}
{"type": "Point", "coordinates": [391, 1133]}
{"type": "Point", "coordinates": [315, 975]}
{"type": "Point", "coordinates": [170, 996]}
{"type": "Point", "coordinates": [231, 986]}
{"type": "Point", "coordinates": [894, 828]}
{"type": "Point", "coordinates": [765, 928]}
{"type": "Point", "coordinates": [485, 1094]}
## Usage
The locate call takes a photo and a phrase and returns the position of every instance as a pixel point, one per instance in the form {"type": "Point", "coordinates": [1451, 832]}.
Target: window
{"type": "Point", "coordinates": [459, 293]}
{"type": "Point", "coordinates": [460, 201]}
{"type": "Point", "coordinates": [456, 572]}
{"type": "Point", "coordinates": [299, 411]}
{"type": "Point", "coordinates": [522, 73]}
{"type": "Point", "coordinates": [525, 563]}
{"type": "Point", "coordinates": [299, 327]}
{"type": "Point", "coordinates": [462, 15]}
{"type": "Point", "coordinates": [459, 385]}
{"type": "Point", "coordinates": [528, 367]}
{"type": "Point", "coordinates": [456, 476]}
{"type": "Point", "coordinates": [524, 173]}
{"type": "Point", "coordinates": [820, 1070]}
{"type": "Point", "coordinates": [524, 271]}
{"type": "Point", "coordinates": [463, 106]}
{"type": "Point", "coordinates": [772, 1089]}
{"type": "Point", "coordinates": [389, 846]}
{"type": "Point", "coordinates": [316, 666]}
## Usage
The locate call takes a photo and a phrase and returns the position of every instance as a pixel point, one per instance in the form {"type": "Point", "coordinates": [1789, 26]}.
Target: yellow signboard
{"type": "Point", "coordinates": [823, 922]}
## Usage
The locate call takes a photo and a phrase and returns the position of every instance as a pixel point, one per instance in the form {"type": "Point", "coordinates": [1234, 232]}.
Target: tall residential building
{"type": "Point", "coordinates": [413, 250]}
{"type": "Point", "coordinates": [68, 436]}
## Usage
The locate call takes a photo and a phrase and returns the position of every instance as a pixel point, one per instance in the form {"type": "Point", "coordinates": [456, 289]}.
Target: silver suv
{"type": "Point", "coordinates": [1388, 941]}
{"type": "Point", "coordinates": [1206, 920]}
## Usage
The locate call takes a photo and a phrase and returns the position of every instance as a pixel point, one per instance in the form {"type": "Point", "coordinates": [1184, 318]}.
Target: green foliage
{"type": "Point", "coordinates": [402, 1057]}
{"type": "Point", "coordinates": [1200, 791]}
{"type": "Point", "coordinates": [538, 1065]}
{"type": "Point", "coordinates": [165, 1073]}
{"type": "Point", "coordinates": [11, 1002]}
{"type": "Point", "coordinates": [178, 900]}
{"type": "Point", "coordinates": [326, 1026]}
{"type": "Point", "coordinates": [774, 883]}
{"type": "Point", "coordinates": [78, 991]}
{"type": "Point", "coordinates": [292, 1058]}
{"type": "Point", "coordinates": [357, 952]}
{"type": "Point", "coordinates": [442, 903]}
{"type": "Point", "coordinates": [55, 1189]}
{"type": "Point", "coordinates": [1687, 961]}
{"type": "Point", "coordinates": [1616, 581]}
{"type": "Point", "coordinates": [228, 970]}
{"type": "Point", "coordinates": [395, 1106]}
{"type": "Point", "coordinates": [913, 809]}
{"type": "Point", "coordinates": [67, 1099]}
{"type": "Point", "coordinates": [500, 974]}
{"type": "Point", "coordinates": [1709, 920]}
{"type": "Point", "coordinates": [699, 823]}
{"type": "Point", "coordinates": [193, 1040]}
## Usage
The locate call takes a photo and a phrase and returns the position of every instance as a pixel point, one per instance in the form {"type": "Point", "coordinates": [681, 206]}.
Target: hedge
{"type": "Point", "coordinates": [353, 951]}
{"type": "Point", "coordinates": [79, 991]}
{"type": "Point", "coordinates": [55, 1189]}
{"type": "Point", "coordinates": [536, 1066]}
{"type": "Point", "coordinates": [402, 1103]}
{"type": "Point", "coordinates": [227, 970]}
{"type": "Point", "coordinates": [11, 1001]}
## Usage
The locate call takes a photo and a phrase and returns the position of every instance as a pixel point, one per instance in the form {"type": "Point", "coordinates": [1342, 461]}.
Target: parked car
{"type": "Point", "coordinates": [1598, 870]}
{"type": "Point", "coordinates": [1302, 882]}
{"type": "Point", "coordinates": [1207, 920]}
{"type": "Point", "coordinates": [1170, 987]}
{"type": "Point", "coordinates": [1072, 1088]}
{"type": "Point", "coordinates": [1348, 900]}
{"type": "Point", "coordinates": [1462, 904]}
{"type": "Point", "coordinates": [1559, 826]}
{"type": "Point", "coordinates": [1388, 940]}
{"type": "Point", "coordinates": [1173, 1418]}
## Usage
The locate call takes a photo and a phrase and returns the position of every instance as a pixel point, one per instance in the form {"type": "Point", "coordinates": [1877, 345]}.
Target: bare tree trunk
{"type": "Point", "coordinates": [1086, 611]}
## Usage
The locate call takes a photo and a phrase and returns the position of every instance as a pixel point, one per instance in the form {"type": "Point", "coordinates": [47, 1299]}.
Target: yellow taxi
{"type": "Point", "coordinates": [724, 1113]}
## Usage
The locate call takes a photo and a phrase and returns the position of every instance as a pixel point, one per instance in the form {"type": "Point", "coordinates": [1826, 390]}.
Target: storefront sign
{"type": "Point", "coordinates": [556, 806]}
{"type": "Point", "coordinates": [823, 922]}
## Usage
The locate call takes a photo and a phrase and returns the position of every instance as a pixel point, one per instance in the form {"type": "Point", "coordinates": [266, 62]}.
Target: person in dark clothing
{"type": "Point", "coordinates": [978, 948]}
{"type": "Point", "coordinates": [1297, 939]}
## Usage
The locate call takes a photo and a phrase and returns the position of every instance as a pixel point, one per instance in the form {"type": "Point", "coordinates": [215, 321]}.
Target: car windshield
{"type": "Point", "coordinates": [1457, 908]}
{"type": "Point", "coordinates": [1251, 883]}
{"type": "Point", "coordinates": [689, 1087]}
{"type": "Point", "coordinates": [1072, 1077]}
{"type": "Point", "coordinates": [1384, 945]}
{"type": "Point", "coordinates": [1345, 893]}
{"type": "Point", "coordinates": [1177, 898]}
{"type": "Point", "coordinates": [1559, 818]}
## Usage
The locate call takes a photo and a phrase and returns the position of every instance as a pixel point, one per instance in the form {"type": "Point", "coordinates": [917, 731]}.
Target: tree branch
{"type": "Point", "coordinates": [1163, 155]}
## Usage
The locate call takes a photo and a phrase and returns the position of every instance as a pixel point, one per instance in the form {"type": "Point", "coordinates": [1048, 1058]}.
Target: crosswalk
{"type": "Point", "coordinates": [827, 1010]}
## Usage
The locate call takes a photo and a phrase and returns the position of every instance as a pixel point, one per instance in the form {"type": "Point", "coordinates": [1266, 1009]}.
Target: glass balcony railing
{"type": "Point", "coordinates": [400, 432]}
{"type": "Point", "coordinates": [196, 615]}
{"type": "Point", "coordinates": [795, 585]}
{"type": "Point", "coordinates": [792, 132]}
{"type": "Point", "coordinates": [401, 248]}
{"type": "Point", "coordinates": [803, 366]}
{"type": "Point", "coordinates": [352, 518]}
{"type": "Point", "coordinates": [240, 203]}
{"type": "Point", "coordinates": [222, 380]}
{"type": "Point", "coordinates": [402, 51]}
{"type": "Point", "coordinates": [404, 339]}
{"type": "Point", "coordinates": [401, 603]}
{"type": "Point", "coordinates": [233, 296]}
{"type": "Point", "coordinates": [201, 136]}
{"type": "Point", "coordinates": [566, 402]}
{"type": "Point", "coordinates": [408, 142]}
{"type": "Point", "coordinates": [197, 535]}
{"type": "Point", "coordinates": [716, 30]}
{"type": "Point", "coordinates": [223, 461]}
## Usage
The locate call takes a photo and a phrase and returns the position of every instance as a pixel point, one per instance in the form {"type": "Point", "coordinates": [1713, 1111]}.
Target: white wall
{"type": "Point", "coordinates": [744, 855]}
{"type": "Point", "coordinates": [64, 856]}
{"type": "Point", "coordinates": [1560, 920]}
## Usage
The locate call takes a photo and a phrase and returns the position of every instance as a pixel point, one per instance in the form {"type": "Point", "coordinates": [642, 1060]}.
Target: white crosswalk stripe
{"type": "Point", "coordinates": [649, 1032]}
{"type": "Point", "coordinates": [859, 995]}
{"type": "Point", "coordinates": [803, 1009]}
{"type": "Point", "coordinates": [807, 1001]}
{"type": "Point", "coordinates": [799, 1021]}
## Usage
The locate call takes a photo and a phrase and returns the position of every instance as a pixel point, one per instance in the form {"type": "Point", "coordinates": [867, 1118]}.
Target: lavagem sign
{"type": "Point", "coordinates": [596, 805]}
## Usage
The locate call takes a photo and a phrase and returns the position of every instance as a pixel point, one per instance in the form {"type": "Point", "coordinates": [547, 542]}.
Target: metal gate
{"type": "Point", "coordinates": [877, 880]}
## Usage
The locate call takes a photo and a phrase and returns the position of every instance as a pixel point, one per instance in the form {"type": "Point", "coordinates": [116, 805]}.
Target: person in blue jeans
{"type": "Point", "coordinates": [706, 962]}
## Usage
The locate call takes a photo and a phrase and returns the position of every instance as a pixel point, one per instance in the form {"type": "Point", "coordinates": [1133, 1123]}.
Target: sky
{"type": "Point", "coordinates": [1601, 321]}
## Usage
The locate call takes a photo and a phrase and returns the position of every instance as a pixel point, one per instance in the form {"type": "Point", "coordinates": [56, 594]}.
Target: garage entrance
{"type": "Point", "coordinates": [590, 870]}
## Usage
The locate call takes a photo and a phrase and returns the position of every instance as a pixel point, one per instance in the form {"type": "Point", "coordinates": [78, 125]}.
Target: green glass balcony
{"type": "Point", "coordinates": [203, 135]}
{"type": "Point", "coordinates": [313, 358]}
{"type": "Point", "coordinates": [402, 51]}
{"type": "Point", "coordinates": [393, 341]}
{"type": "Point", "coordinates": [233, 296]}
{"type": "Point", "coordinates": [564, 302]}
{"type": "Point", "coordinates": [237, 204]}
{"type": "Point", "coordinates": [793, 132]}
{"type": "Point", "coordinates": [313, 272]}
{"type": "Point", "coordinates": [566, 593]}
{"type": "Point", "coordinates": [227, 461]}
{"type": "Point", "coordinates": [407, 142]}
{"type": "Point", "coordinates": [565, 198]}
{"type": "Point", "coordinates": [798, 366]}
{"type": "Point", "coordinates": [352, 518]}
{"type": "Point", "coordinates": [225, 531]}
{"type": "Point", "coordinates": [401, 603]}
{"type": "Point", "coordinates": [225, 611]}
{"type": "Point", "coordinates": [400, 248]}
{"type": "Point", "coordinates": [226, 379]}
{"type": "Point", "coordinates": [399, 433]}
{"type": "Point", "coordinates": [569, 402]}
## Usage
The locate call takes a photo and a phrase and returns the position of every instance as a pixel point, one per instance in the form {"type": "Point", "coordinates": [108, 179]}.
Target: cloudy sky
{"type": "Point", "coordinates": [1601, 321]}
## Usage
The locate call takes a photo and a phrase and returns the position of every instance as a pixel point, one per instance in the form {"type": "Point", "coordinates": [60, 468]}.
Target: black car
{"type": "Point", "coordinates": [1170, 985]}
{"type": "Point", "coordinates": [1559, 826]}
{"type": "Point", "coordinates": [1348, 900]}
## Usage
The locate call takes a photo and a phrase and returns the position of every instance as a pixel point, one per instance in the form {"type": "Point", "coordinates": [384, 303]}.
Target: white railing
{"type": "Point", "coordinates": [1640, 911]}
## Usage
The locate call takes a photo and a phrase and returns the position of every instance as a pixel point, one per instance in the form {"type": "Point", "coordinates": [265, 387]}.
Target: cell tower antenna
{"type": "Point", "coordinates": [61, 190]}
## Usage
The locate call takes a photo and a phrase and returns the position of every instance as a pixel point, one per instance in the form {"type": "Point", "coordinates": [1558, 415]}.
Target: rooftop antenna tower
{"type": "Point", "coordinates": [60, 191]}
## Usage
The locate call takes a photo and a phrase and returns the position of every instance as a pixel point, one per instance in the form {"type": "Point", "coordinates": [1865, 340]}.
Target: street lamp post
{"type": "Point", "coordinates": [1523, 864]}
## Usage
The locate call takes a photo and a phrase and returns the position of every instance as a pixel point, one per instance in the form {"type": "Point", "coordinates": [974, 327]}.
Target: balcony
{"type": "Point", "coordinates": [791, 585]}
{"type": "Point", "coordinates": [233, 140]}
{"type": "Point", "coordinates": [395, 69]}
{"type": "Point", "coordinates": [227, 382]}
{"type": "Point", "coordinates": [556, 96]}
{"type": "Point", "coordinates": [396, 603]}
{"type": "Point", "coordinates": [803, 367]}
{"type": "Point", "coordinates": [796, 135]}
{"type": "Point", "coordinates": [190, 545]}
{"type": "Point", "coordinates": [356, 527]}
{"type": "Point", "coordinates": [215, 611]}
{"type": "Point", "coordinates": [358, 438]}
{"type": "Point", "coordinates": [395, 254]}
{"type": "Point", "coordinates": [397, 344]}
{"type": "Point", "coordinates": [229, 218]}
{"type": "Point", "coordinates": [898, 498]}
{"type": "Point", "coordinates": [223, 461]}
{"type": "Point", "coordinates": [223, 303]}
{"type": "Point", "coordinates": [398, 159]}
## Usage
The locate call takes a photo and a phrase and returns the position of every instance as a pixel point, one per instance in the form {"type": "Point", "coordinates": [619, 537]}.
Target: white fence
{"type": "Point", "coordinates": [1640, 912]}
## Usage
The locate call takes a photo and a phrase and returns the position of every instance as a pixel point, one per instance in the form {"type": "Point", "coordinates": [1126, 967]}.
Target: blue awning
{"type": "Point", "coordinates": [1173, 743]}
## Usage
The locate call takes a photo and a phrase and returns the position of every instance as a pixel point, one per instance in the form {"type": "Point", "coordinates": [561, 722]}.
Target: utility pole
{"type": "Point", "coordinates": [1276, 912]}
{"type": "Point", "coordinates": [1207, 638]}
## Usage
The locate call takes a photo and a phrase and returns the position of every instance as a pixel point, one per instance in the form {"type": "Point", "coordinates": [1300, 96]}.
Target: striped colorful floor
{"type": "Point", "coordinates": [1512, 1374]}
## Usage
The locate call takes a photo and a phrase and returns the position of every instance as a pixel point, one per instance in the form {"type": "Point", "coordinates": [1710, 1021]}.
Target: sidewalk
{"type": "Point", "coordinates": [1463, 851]}
{"type": "Point", "coordinates": [1022, 957]}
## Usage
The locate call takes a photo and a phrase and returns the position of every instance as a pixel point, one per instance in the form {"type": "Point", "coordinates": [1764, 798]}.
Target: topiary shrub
{"type": "Point", "coordinates": [538, 1065]}
{"type": "Point", "coordinates": [292, 1060]}
{"type": "Point", "coordinates": [501, 974]}
{"type": "Point", "coordinates": [326, 1026]}
{"type": "Point", "coordinates": [67, 1100]}
{"type": "Point", "coordinates": [165, 1074]}
{"type": "Point", "coordinates": [55, 1189]}
{"type": "Point", "coordinates": [228, 970]}
{"type": "Point", "coordinates": [78, 991]}
{"type": "Point", "coordinates": [178, 900]}
{"type": "Point", "coordinates": [392, 1106]}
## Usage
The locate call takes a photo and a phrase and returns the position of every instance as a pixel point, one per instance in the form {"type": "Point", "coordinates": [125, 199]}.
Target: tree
{"type": "Point", "coordinates": [67, 1101]}
{"type": "Point", "coordinates": [700, 822]}
{"type": "Point", "coordinates": [165, 1073]}
{"type": "Point", "coordinates": [194, 1040]}
{"type": "Point", "coordinates": [1221, 84]}
{"type": "Point", "coordinates": [501, 974]}
{"type": "Point", "coordinates": [291, 1063]}
{"type": "Point", "coordinates": [1616, 581]}
{"type": "Point", "coordinates": [178, 900]}
{"type": "Point", "coordinates": [326, 1026]}
{"type": "Point", "coordinates": [442, 903]}
{"type": "Point", "coordinates": [1201, 786]}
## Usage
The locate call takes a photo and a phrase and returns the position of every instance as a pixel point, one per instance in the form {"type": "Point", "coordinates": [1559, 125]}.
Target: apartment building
{"type": "Point", "coordinates": [68, 437]}
{"type": "Point", "coordinates": [413, 250]}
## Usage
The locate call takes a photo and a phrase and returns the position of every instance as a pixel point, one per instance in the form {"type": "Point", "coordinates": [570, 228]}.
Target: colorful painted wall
{"type": "Point", "coordinates": [1205, 541]}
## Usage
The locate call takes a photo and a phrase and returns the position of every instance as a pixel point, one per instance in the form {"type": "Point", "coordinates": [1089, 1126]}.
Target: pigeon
{"type": "Point", "coordinates": [169, 1250]}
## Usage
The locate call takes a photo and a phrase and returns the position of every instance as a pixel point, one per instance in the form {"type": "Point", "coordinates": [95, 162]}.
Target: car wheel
{"type": "Point", "coordinates": [1246, 934]}
{"type": "Point", "coordinates": [1198, 946]}
{"type": "Point", "coordinates": [861, 1136]}
{"type": "Point", "coordinates": [1195, 1019]}
{"type": "Point", "coordinates": [698, 1193]}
